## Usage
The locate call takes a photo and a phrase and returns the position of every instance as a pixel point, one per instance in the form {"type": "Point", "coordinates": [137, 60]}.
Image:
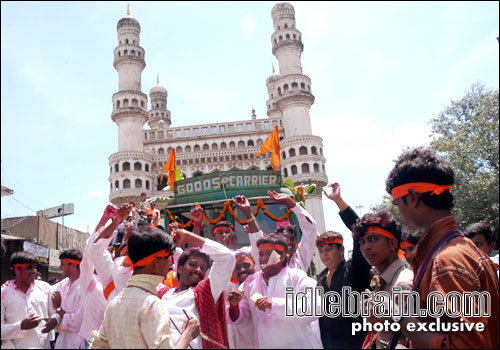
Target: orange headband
{"type": "Point", "coordinates": [405, 244]}
{"type": "Point", "coordinates": [20, 265]}
{"type": "Point", "coordinates": [72, 261]}
{"type": "Point", "coordinates": [380, 231]}
{"type": "Point", "coordinates": [419, 187]}
{"type": "Point", "coordinates": [147, 260]}
{"type": "Point", "coordinates": [329, 240]}
{"type": "Point", "coordinates": [124, 251]}
{"type": "Point", "coordinates": [218, 227]}
{"type": "Point", "coordinates": [247, 259]}
{"type": "Point", "coordinates": [272, 246]}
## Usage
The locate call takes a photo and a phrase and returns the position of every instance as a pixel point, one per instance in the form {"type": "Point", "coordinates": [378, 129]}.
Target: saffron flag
{"type": "Point", "coordinates": [170, 167]}
{"type": "Point", "coordinates": [272, 144]}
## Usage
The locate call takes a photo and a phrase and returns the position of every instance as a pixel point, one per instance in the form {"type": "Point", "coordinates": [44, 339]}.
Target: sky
{"type": "Point", "coordinates": [380, 72]}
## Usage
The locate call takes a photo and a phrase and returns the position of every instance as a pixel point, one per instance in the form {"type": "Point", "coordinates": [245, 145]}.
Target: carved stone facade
{"type": "Point", "coordinates": [206, 148]}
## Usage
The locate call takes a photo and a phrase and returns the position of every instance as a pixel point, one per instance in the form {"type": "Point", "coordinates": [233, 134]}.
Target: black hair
{"type": "Point", "coordinates": [242, 254]}
{"type": "Point", "coordinates": [274, 238]}
{"type": "Point", "coordinates": [419, 165]}
{"type": "Point", "coordinates": [406, 236]}
{"type": "Point", "coordinates": [147, 240]}
{"type": "Point", "coordinates": [74, 254]}
{"type": "Point", "coordinates": [382, 219]}
{"type": "Point", "coordinates": [289, 228]}
{"type": "Point", "coordinates": [22, 258]}
{"type": "Point", "coordinates": [479, 228]}
{"type": "Point", "coordinates": [223, 223]}
{"type": "Point", "coordinates": [188, 253]}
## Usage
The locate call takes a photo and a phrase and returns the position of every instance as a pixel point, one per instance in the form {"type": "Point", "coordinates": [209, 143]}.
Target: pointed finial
{"type": "Point", "coordinates": [253, 113]}
{"type": "Point", "coordinates": [157, 78]}
{"type": "Point", "coordinates": [128, 9]}
{"type": "Point", "coordinates": [273, 67]}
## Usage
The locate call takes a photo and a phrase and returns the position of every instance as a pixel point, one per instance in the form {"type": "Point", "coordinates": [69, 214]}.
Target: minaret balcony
{"type": "Point", "coordinates": [287, 43]}
{"type": "Point", "coordinates": [122, 60]}
{"type": "Point", "coordinates": [130, 112]}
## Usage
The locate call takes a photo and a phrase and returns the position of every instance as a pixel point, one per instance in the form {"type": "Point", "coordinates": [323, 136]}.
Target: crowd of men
{"type": "Point", "coordinates": [137, 285]}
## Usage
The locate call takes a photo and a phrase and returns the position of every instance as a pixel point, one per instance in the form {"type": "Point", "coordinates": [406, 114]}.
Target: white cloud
{"type": "Point", "coordinates": [97, 194]}
{"type": "Point", "coordinates": [248, 26]}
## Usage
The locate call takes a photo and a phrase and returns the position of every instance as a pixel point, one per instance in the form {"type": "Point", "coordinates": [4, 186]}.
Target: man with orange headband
{"type": "Point", "coordinates": [66, 301]}
{"type": "Point", "coordinates": [354, 273]}
{"type": "Point", "coordinates": [445, 261]}
{"type": "Point", "coordinates": [136, 318]}
{"type": "Point", "coordinates": [263, 299]}
{"type": "Point", "coordinates": [25, 304]}
{"type": "Point", "coordinates": [379, 235]}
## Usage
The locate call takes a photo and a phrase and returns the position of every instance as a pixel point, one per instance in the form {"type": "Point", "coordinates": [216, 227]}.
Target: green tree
{"type": "Point", "coordinates": [466, 133]}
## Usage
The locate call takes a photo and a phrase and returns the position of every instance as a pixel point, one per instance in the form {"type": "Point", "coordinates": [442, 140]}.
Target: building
{"type": "Point", "coordinates": [215, 147]}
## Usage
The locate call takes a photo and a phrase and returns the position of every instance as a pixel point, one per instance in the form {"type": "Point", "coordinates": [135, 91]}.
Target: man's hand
{"type": "Point", "coordinates": [235, 296]}
{"type": "Point", "coordinates": [264, 304]}
{"type": "Point", "coordinates": [335, 195]}
{"type": "Point", "coordinates": [30, 322]}
{"type": "Point", "coordinates": [123, 213]}
{"type": "Point", "coordinates": [242, 203]}
{"type": "Point", "coordinates": [192, 327]}
{"type": "Point", "coordinates": [180, 236]}
{"type": "Point", "coordinates": [50, 324]}
{"type": "Point", "coordinates": [110, 212]}
{"type": "Point", "coordinates": [56, 299]}
{"type": "Point", "coordinates": [172, 227]}
{"type": "Point", "coordinates": [197, 214]}
{"type": "Point", "coordinates": [282, 198]}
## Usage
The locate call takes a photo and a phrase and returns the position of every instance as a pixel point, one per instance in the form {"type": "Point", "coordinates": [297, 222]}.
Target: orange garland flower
{"type": "Point", "coordinates": [134, 204]}
{"type": "Point", "coordinates": [227, 206]}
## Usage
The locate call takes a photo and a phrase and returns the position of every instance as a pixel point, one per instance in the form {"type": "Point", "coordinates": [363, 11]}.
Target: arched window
{"type": "Point", "coordinates": [111, 170]}
{"type": "Point", "coordinates": [215, 147]}
{"type": "Point", "coordinates": [232, 144]}
{"type": "Point", "coordinates": [118, 104]}
{"type": "Point", "coordinates": [316, 168]}
{"type": "Point", "coordinates": [196, 148]}
{"type": "Point", "coordinates": [205, 147]}
{"type": "Point", "coordinates": [116, 168]}
{"type": "Point", "coordinates": [147, 184]}
{"type": "Point", "coordinates": [279, 91]}
{"type": "Point", "coordinates": [295, 86]}
{"type": "Point", "coordinates": [305, 168]}
{"type": "Point", "coordinates": [132, 52]}
{"type": "Point", "coordinates": [125, 103]}
{"type": "Point", "coordinates": [286, 172]}
{"type": "Point", "coordinates": [169, 150]}
{"type": "Point", "coordinates": [126, 166]}
{"type": "Point", "coordinates": [135, 103]}
{"type": "Point", "coordinates": [187, 148]}
{"type": "Point", "coordinates": [137, 166]}
{"type": "Point", "coordinates": [285, 88]}
{"type": "Point", "coordinates": [126, 41]}
{"type": "Point", "coordinates": [119, 53]}
{"type": "Point", "coordinates": [146, 168]}
{"type": "Point", "coordinates": [138, 183]}
{"type": "Point", "coordinates": [117, 185]}
{"type": "Point", "coordinates": [126, 183]}
{"type": "Point", "coordinates": [241, 144]}
{"type": "Point", "coordinates": [197, 173]}
{"type": "Point", "coordinates": [321, 151]}
{"type": "Point", "coordinates": [250, 143]}
{"type": "Point", "coordinates": [161, 151]}
{"type": "Point", "coordinates": [259, 142]}
{"type": "Point", "coordinates": [223, 145]}
{"type": "Point", "coordinates": [302, 86]}
{"type": "Point", "coordinates": [302, 150]}
{"type": "Point", "coordinates": [294, 170]}
{"type": "Point", "coordinates": [314, 150]}
{"type": "Point", "coordinates": [286, 25]}
{"type": "Point", "coordinates": [281, 37]}
{"type": "Point", "coordinates": [287, 36]}
{"type": "Point", "coordinates": [142, 104]}
{"type": "Point", "coordinates": [291, 152]}
{"type": "Point", "coordinates": [178, 149]}
{"type": "Point", "coordinates": [125, 52]}
{"type": "Point", "coordinates": [283, 155]}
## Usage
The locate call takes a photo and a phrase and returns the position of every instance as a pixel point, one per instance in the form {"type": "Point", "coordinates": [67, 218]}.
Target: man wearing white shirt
{"type": "Point", "coordinates": [200, 297]}
{"type": "Point", "coordinates": [262, 298]}
{"type": "Point", "coordinates": [25, 304]}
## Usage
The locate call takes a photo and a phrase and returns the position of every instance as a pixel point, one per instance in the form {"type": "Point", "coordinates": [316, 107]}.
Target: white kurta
{"type": "Point", "coordinates": [303, 255]}
{"type": "Point", "coordinates": [16, 306]}
{"type": "Point", "coordinates": [274, 329]}
{"type": "Point", "coordinates": [69, 337]}
{"type": "Point", "coordinates": [219, 277]}
{"type": "Point", "coordinates": [239, 336]}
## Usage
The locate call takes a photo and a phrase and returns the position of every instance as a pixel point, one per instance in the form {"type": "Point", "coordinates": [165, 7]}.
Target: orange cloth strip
{"type": "Point", "coordinates": [109, 288]}
{"type": "Point", "coordinates": [272, 144]}
{"type": "Point", "coordinates": [72, 261]}
{"type": "Point", "coordinates": [218, 227]}
{"type": "Point", "coordinates": [170, 281]}
{"type": "Point", "coordinates": [406, 244]}
{"type": "Point", "coordinates": [247, 259]}
{"type": "Point", "coordinates": [380, 231]}
{"type": "Point", "coordinates": [401, 254]}
{"type": "Point", "coordinates": [124, 251]}
{"type": "Point", "coordinates": [419, 187]}
{"type": "Point", "coordinates": [272, 246]}
{"type": "Point", "coordinates": [21, 265]}
{"type": "Point", "coordinates": [147, 260]}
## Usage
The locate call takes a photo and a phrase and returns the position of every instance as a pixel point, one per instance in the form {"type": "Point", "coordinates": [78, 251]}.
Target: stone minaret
{"type": "Point", "coordinates": [130, 167]}
{"type": "Point", "coordinates": [290, 98]}
{"type": "Point", "coordinates": [159, 115]}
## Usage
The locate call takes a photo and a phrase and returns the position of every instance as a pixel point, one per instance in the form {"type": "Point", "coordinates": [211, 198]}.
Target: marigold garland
{"type": "Point", "coordinates": [227, 205]}
{"type": "Point", "coordinates": [134, 204]}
